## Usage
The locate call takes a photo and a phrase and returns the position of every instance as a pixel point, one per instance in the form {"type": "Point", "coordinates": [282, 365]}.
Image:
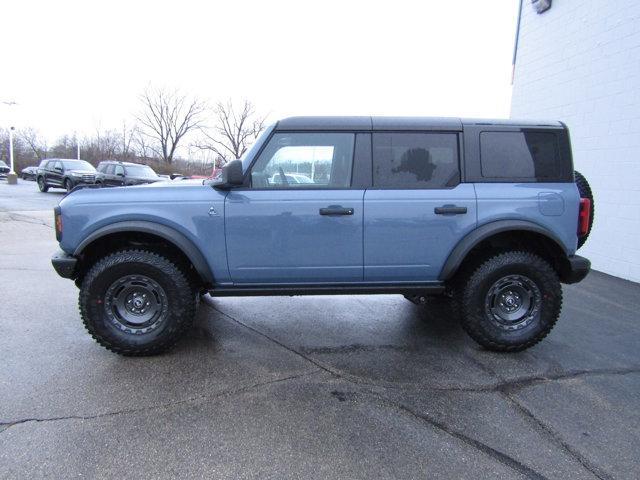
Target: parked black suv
{"type": "Point", "coordinates": [114, 174]}
{"type": "Point", "coordinates": [4, 169]}
{"type": "Point", "coordinates": [64, 173]}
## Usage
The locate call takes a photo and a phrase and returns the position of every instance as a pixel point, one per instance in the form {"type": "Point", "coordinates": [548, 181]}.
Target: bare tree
{"type": "Point", "coordinates": [34, 141]}
{"type": "Point", "coordinates": [234, 130]}
{"type": "Point", "coordinates": [167, 117]}
{"type": "Point", "coordinates": [129, 133]}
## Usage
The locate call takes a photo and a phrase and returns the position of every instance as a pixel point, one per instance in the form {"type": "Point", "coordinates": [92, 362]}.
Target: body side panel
{"type": "Point", "coordinates": [185, 209]}
{"type": "Point", "coordinates": [553, 206]}
{"type": "Point", "coordinates": [405, 240]}
{"type": "Point", "coordinates": [279, 236]}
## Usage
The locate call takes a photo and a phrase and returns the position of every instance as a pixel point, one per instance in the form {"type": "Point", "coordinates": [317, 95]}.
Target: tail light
{"type": "Point", "coordinates": [58, 223]}
{"type": "Point", "coordinates": [583, 217]}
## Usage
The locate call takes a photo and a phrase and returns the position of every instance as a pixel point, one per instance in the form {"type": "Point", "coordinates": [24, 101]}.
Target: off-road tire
{"type": "Point", "coordinates": [42, 185]}
{"type": "Point", "coordinates": [472, 297]}
{"type": "Point", "coordinates": [585, 192]}
{"type": "Point", "coordinates": [179, 310]}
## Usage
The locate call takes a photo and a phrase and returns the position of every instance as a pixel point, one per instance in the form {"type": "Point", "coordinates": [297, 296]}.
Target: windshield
{"type": "Point", "coordinates": [2, 164]}
{"type": "Point", "coordinates": [141, 171]}
{"type": "Point", "coordinates": [77, 165]}
{"type": "Point", "coordinates": [255, 148]}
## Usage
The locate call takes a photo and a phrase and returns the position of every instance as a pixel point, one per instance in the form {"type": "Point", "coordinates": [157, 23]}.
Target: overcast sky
{"type": "Point", "coordinates": [79, 65]}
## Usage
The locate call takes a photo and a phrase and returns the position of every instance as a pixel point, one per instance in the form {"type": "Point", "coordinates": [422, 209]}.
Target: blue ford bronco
{"type": "Point", "coordinates": [487, 213]}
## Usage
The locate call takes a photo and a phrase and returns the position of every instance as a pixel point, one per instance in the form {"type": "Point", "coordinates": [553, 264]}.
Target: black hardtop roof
{"type": "Point", "coordinates": [399, 123]}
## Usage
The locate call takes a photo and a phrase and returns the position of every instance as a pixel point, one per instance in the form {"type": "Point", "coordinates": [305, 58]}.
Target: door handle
{"type": "Point", "coordinates": [336, 210]}
{"type": "Point", "coordinates": [450, 210]}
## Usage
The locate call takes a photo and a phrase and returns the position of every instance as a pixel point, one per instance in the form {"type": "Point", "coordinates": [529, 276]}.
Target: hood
{"type": "Point", "coordinates": [82, 172]}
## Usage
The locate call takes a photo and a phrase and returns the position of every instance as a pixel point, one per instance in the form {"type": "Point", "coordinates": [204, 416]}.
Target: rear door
{"type": "Point", "coordinates": [417, 210]}
{"type": "Point", "coordinates": [303, 231]}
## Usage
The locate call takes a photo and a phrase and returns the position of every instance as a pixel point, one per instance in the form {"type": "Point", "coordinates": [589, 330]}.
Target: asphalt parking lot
{"type": "Point", "coordinates": [313, 387]}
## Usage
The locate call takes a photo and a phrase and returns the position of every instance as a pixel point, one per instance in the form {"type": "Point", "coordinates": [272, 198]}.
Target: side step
{"type": "Point", "coordinates": [431, 288]}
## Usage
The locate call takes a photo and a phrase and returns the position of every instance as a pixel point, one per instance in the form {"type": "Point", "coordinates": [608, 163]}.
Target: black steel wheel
{"type": "Point", "coordinates": [42, 185]}
{"type": "Point", "coordinates": [136, 302]}
{"type": "Point", "coordinates": [510, 302]}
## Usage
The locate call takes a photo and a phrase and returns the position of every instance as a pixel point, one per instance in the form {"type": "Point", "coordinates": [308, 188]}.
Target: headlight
{"type": "Point", "coordinates": [76, 174]}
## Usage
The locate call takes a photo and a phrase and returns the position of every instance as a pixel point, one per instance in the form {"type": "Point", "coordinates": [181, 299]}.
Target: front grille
{"type": "Point", "coordinates": [88, 178]}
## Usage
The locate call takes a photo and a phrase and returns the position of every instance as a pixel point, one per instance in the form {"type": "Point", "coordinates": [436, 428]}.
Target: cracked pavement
{"type": "Point", "coordinates": [315, 387]}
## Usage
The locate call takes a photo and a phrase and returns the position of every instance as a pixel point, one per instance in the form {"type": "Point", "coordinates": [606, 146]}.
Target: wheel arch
{"type": "Point", "coordinates": [510, 234]}
{"type": "Point", "coordinates": [145, 229]}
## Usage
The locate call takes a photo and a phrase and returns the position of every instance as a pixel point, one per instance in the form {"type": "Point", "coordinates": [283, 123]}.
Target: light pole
{"type": "Point", "coordinates": [12, 178]}
{"type": "Point", "coordinates": [12, 172]}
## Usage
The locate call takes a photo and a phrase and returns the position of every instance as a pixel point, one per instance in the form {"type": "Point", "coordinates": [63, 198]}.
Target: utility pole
{"type": "Point", "coordinates": [77, 145]}
{"type": "Point", "coordinates": [12, 178]}
{"type": "Point", "coordinates": [11, 129]}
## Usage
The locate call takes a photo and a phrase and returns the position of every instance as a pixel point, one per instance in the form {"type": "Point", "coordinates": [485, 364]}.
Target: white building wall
{"type": "Point", "coordinates": [579, 62]}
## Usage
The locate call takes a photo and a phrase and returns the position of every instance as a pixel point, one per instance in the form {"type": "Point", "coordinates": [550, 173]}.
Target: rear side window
{"type": "Point", "coordinates": [415, 160]}
{"type": "Point", "coordinates": [530, 154]}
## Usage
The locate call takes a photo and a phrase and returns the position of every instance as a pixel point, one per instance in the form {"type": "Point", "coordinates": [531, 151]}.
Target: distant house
{"type": "Point", "coordinates": [579, 62]}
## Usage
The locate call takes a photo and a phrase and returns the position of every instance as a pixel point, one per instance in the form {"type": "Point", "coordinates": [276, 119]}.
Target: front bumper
{"type": "Point", "coordinates": [575, 269]}
{"type": "Point", "coordinates": [64, 264]}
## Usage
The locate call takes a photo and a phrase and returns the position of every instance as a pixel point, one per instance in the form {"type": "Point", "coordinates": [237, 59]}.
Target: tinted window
{"type": "Point", "coordinates": [305, 160]}
{"type": "Point", "coordinates": [415, 160]}
{"type": "Point", "coordinates": [527, 154]}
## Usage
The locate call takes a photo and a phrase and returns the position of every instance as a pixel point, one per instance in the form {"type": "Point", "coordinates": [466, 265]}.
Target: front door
{"type": "Point", "coordinates": [417, 210]}
{"type": "Point", "coordinates": [299, 221]}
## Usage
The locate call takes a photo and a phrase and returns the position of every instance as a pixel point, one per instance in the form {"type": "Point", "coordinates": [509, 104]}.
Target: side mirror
{"type": "Point", "coordinates": [232, 175]}
{"type": "Point", "coordinates": [58, 169]}
{"type": "Point", "coordinates": [120, 174]}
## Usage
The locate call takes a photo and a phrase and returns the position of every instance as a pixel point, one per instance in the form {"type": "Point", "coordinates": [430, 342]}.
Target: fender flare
{"type": "Point", "coordinates": [178, 239]}
{"type": "Point", "coordinates": [464, 246]}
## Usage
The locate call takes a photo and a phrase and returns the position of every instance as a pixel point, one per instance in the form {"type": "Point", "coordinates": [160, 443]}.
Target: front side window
{"type": "Point", "coordinates": [305, 160]}
{"type": "Point", "coordinates": [415, 160]}
{"type": "Point", "coordinates": [527, 154]}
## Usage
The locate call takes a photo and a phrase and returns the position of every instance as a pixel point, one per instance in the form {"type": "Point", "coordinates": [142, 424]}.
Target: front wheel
{"type": "Point", "coordinates": [136, 302]}
{"type": "Point", "coordinates": [67, 185]}
{"type": "Point", "coordinates": [42, 185]}
{"type": "Point", "coordinates": [510, 302]}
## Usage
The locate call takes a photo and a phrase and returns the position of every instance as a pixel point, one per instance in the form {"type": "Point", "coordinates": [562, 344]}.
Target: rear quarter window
{"type": "Point", "coordinates": [532, 154]}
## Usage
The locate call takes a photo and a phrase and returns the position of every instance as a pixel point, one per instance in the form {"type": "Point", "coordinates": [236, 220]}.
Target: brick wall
{"type": "Point", "coordinates": [579, 62]}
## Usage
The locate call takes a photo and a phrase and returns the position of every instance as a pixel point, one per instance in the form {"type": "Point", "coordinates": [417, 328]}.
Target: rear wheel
{"type": "Point", "coordinates": [42, 185]}
{"type": "Point", "coordinates": [585, 192]}
{"type": "Point", "coordinates": [136, 302]}
{"type": "Point", "coordinates": [510, 302]}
